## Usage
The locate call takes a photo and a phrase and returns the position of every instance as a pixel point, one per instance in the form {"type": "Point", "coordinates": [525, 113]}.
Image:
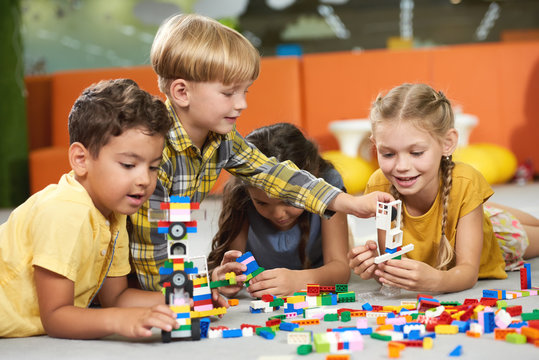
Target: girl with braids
{"type": "Point", "coordinates": [294, 246]}
{"type": "Point", "coordinates": [457, 237]}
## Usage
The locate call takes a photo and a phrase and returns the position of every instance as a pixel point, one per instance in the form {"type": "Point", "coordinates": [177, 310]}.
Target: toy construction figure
{"type": "Point", "coordinates": [185, 277]}
{"type": "Point", "coordinates": [388, 220]}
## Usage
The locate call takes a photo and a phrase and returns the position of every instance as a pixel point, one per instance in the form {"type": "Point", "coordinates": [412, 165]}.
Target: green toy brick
{"type": "Point", "coordinates": [305, 349]}
{"type": "Point", "coordinates": [346, 316]}
{"type": "Point", "coordinates": [219, 283]}
{"type": "Point", "coordinates": [340, 288]}
{"type": "Point", "coordinates": [530, 316]}
{"type": "Point", "coordinates": [277, 302]}
{"type": "Point", "coordinates": [377, 336]}
{"type": "Point", "coordinates": [331, 317]}
{"type": "Point", "coordinates": [515, 338]}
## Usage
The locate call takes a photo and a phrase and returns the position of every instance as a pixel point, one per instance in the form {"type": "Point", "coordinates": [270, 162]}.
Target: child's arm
{"type": "Point", "coordinates": [62, 319]}
{"type": "Point", "coordinates": [418, 276]}
{"type": "Point", "coordinates": [363, 206]}
{"type": "Point", "coordinates": [282, 282]}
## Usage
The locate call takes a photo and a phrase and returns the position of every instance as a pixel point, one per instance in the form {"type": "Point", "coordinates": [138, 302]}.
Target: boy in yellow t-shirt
{"type": "Point", "coordinates": [68, 243]}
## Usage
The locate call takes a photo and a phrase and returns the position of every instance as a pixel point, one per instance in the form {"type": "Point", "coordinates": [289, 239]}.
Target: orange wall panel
{"type": "Point", "coordinates": [275, 96]}
{"type": "Point", "coordinates": [68, 85]}
{"type": "Point", "coordinates": [340, 86]}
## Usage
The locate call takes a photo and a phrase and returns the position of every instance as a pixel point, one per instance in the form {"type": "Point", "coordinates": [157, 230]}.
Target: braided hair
{"type": "Point", "coordinates": [431, 111]}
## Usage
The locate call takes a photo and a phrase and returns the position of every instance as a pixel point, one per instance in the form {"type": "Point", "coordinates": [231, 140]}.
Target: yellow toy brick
{"type": "Point", "coordinates": [295, 299]}
{"type": "Point", "coordinates": [446, 329]}
{"type": "Point", "coordinates": [427, 343]}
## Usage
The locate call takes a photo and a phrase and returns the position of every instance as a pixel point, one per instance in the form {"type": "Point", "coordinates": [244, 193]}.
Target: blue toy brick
{"type": "Point", "coordinates": [254, 311]}
{"type": "Point", "coordinates": [191, 270]}
{"type": "Point", "coordinates": [428, 299]}
{"type": "Point", "coordinates": [251, 267]}
{"type": "Point", "coordinates": [528, 275]}
{"type": "Point", "coordinates": [287, 326]}
{"type": "Point", "coordinates": [201, 297]}
{"type": "Point", "coordinates": [462, 325]}
{"type": "Point", "coordinates": [267, 334]}
{"type": "Point", "coordinates": [185, 315]}
{"type": "Point", "coordinates": [456, 351]}
{"type": "Point", "coordinates": [391, 251]}
{"type": "Point", "coordinates": [390, 315]}
{"type": "Point", "coordinates": [232, 333]}
{"type": "Point", "coordinates": [246, 255]}
{"type": "Point", "coordinates": [367, 307]}
{"type": "Point", "coordinates": [488, 322]}
{"type": "Point", "coordinates": [165, 271]}
{"type": "Point", "coordinates": [204, 327]}
{"type": "Point", "coordinates": [365, 331]}
{"type": "Point", "coordinates": [179, 199]}
{"type": "Point", "coordinates": [162, 230]}
{"type": "Point", "coordinates": [490, 294]}
{"type": "Point", "coordinates": [414, 335]}
{"type": "Point", "coordinates": [191, 229]}
{"type": "Point", "coordinates": [518, 325]}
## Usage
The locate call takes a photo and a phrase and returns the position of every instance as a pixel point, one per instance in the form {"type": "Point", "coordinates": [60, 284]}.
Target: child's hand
{"type": "Point", "coordinates": [138, 322]}
{"type": "Point", "coordinates": [229, 264]}
{"type": "Point", "coordinates": [277, 282]}
{"type": "Point", "coordinates": [409, 274]}
{"type": "Point", "coordinates": [361, 206]}
{"type": "Point", "coordinates": [361, 259]}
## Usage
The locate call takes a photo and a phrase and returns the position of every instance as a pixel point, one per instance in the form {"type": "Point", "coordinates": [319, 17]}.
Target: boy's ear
{"type": "Point", "coordinates": [450, 142]}
{"type": "Point", "coordinates": [179, 93]}
{"type": "Point", "coordinates": [78, 154]}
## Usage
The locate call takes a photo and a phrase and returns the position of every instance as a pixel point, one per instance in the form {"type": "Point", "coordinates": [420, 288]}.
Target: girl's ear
{"type": "Point", "coordinates": [179, 92]}
{"type": "Point", "coordinates": [78, 156]}
{"type": "Point", "coordinates": [450, 142]}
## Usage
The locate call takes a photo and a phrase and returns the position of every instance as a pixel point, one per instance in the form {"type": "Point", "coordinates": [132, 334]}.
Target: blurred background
{"type": "Point", "coordinates": [74, 34]}
{"type": "Point", "coordinates": [46, 45]}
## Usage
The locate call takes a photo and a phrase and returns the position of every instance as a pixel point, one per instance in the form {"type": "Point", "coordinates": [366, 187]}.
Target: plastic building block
{"type": "Point", "coordinates": [304, 349]}
{"type": "Point", "coordinates": [388, 218]}
{"type": "Point", "coordinates": [456, 351]}
{"type": "Point", "coordinates": [515, 338]}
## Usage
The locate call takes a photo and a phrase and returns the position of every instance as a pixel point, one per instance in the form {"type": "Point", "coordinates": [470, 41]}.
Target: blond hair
{"type": "Point", "coordinates": [431, 111]}
{"type": "Point", "coordinates": [198, 48]}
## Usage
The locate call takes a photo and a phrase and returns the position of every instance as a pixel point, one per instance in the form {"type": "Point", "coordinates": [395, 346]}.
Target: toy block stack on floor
{"type": "Point", "coordinates": [184, 277]}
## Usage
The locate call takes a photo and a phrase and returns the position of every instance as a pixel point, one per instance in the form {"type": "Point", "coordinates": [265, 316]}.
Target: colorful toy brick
{"type": "Point", "coordinates": [388, 219]}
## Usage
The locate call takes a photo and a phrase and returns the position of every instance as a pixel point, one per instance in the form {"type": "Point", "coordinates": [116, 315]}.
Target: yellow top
{"type": "Point", "coordinates": [469, 190]}
{"type": "Point", "coordinates": [58, 229]}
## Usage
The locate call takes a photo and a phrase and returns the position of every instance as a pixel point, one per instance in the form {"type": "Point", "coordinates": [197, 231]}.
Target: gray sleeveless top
{"type": "Point", "coordinates": [273, 248]}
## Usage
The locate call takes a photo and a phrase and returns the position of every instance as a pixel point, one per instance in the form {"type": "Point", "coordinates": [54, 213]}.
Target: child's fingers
{"type": "Point", "coordinates": [230, 256]}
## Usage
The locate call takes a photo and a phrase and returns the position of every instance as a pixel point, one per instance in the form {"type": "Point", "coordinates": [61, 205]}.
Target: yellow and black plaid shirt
{"type": "Point", "coordinates": [187, 171]}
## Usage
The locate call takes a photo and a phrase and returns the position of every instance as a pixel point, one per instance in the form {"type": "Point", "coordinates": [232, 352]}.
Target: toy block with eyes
{"type": "Point", "coordinates": [388, 219]}
{"type": "Point", "coordinates": [183, 277]}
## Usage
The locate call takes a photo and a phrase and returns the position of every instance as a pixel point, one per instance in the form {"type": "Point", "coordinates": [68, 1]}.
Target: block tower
{"type": "Point", "coordinates": [388, 219]}
{"type": "Point", "coordinates": [184, 277]}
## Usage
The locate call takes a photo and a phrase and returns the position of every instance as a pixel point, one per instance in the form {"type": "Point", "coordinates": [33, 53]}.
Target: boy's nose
{"type": "Point", "coordinates": [143, 178]}
{"type": "Point", "coordinates": [241, 103]}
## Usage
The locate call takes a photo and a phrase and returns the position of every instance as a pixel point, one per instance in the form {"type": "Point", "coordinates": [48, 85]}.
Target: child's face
{"type": "Point", "coordinates": [281, 215]}
{"type": "Point", "coordinates": [214, 106]}
{"type": "Point", "coordinates": [124, 174]}
{"type": "Point", "coordinates": [409, 157]}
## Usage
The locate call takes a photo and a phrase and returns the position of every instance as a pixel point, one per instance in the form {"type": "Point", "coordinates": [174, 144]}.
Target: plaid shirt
{"type": "Point", "coordinates": [187, 171]}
